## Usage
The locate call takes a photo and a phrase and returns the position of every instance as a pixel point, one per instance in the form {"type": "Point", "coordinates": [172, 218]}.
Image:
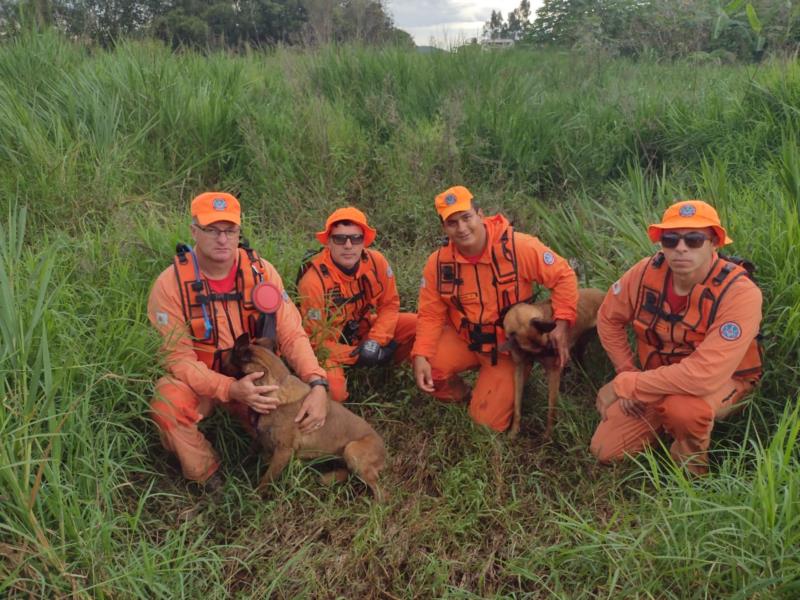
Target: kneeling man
{"type": "Point", "coordinates": [696, 318]}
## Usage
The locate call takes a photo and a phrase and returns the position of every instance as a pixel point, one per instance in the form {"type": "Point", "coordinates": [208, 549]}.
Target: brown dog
{"type": "Point", "coordinates": [344, 433]}
{"type": "Point", "coordinates": [528, 328]}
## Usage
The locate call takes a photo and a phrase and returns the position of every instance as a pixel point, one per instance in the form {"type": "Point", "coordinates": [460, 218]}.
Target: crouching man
{"type": "Point", "coordinates": [696, 318]}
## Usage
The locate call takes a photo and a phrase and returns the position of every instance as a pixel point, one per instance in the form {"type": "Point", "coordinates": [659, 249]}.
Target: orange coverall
{"type": "Point", "coordinates": [192, 390]}
{"type": "Point", "coordinates": [444, 342]}
{"type": "Point", "coordinates": [377, 312]}
{"type": "Point", "coordinates": [684, 398]}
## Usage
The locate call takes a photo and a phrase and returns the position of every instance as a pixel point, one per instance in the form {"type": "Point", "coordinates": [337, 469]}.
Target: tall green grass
{"type": "Point", "coordinates": [100, 154]}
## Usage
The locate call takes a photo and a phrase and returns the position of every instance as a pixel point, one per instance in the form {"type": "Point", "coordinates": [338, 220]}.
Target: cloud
{"type": "Point", "coordinates": [448, 21]}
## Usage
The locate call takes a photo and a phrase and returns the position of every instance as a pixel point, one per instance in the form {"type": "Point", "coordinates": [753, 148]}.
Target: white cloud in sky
{"type": "Point", "coordinates": [448, 22]}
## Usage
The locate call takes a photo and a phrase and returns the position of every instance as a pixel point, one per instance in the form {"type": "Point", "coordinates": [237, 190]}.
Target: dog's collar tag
{"type": "Point", "coordinates": [266, 297]}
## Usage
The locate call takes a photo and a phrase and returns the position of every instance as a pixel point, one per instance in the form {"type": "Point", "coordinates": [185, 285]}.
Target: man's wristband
{"type": "Point", "coordinates": [322, 382]}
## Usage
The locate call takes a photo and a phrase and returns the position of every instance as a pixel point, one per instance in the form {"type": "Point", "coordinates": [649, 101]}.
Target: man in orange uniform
{"type": "Point", "coordinates": [349, 301]}
{"type": "Point", "coordinates": [200, 305]}
{"type": "Point", "coordinates": [467, 285]}
{"type": "Point", "coordinates": [696, 317]}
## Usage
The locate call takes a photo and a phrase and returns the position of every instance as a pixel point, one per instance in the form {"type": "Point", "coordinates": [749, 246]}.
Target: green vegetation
{"type": "Point", "coordinates": [100, 154]}
{"type": "Point", "coordinates": [702, 30]}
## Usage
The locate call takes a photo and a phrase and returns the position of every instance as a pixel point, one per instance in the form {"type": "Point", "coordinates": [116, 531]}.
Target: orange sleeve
{"type": "Point", "coordinates": [318, 323]}
{"type": "Point", "coordinates": [431, 313]}
{"type": "Point", "coordinates": [716, 357]}
{"type": "Point", "coordinates": [165, 313]}
{"type": "Point", "coordinates": [388, 305]}
{"type": "Point", "coordinates": [293, 341]}
{"type": "Point", "coordinates": [615, 314]}
{"type": "Point", "coordinates": [536, 262]}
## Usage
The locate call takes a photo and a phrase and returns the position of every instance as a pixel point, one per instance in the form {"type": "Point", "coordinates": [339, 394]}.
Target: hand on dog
{"type": "Point", "coordinates": [313, 411]}
{"type": "Point", "coordinates": [561, 342]}
{"type": "Point", "coordinates": [257, 397]}
{"type": "Point", "coordinates": [423, 374]}
{"type": "Point", "coordinates": [606, 396]}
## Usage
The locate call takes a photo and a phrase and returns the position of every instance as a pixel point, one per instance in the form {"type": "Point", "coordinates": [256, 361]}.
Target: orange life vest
{"type": "Point", "coordinates": [664, 338]}
{"type": "Point", "coordinates": [201, 305]}
{"type": "Point", "coordinates": [453, 279]}
{"type": "Point", "coordinates": [356, 306]}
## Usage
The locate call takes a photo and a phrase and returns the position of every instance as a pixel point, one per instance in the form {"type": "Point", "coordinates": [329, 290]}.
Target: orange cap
{"type": "Point", "coordinates": [350, 213]}
{"type": "Point", "coordinates": [452, 200]}
{"type": "Point", "coordinates": [210, 207]}
{"type": "Point", "coordinates": [690, 214]}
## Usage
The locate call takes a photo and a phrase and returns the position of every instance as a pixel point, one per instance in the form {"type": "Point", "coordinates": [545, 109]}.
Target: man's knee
{"type": "Point", "coordinates": [494, 415]}
{"type": "Point", "coordinates": [173, 401]}
{"type": "Point", "coordinates": [684, 414]}
{"type": "Point", "coordinates": [605, 452]}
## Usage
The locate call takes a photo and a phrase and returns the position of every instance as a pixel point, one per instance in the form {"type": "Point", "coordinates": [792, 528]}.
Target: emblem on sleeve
{"type": "Point", "coordinates": [616, 288]}
{"type": "Point", "coordinates": [314, 314]}
{"type": "Point", "coordinates": [422, 283]}
{"type": "Point", "coordinates": [389, 272]}
{"type": "Point", "coordinates": [162, 318]}
{"type": "Point", "coordinates": [285, 296]}
{"type": "Point", "coordinates": [548, 258]}
{"type": "Point", "coordinates": [730, 331]}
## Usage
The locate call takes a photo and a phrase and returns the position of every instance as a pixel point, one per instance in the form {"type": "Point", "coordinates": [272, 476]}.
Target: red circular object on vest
{"type": "Point", "coordinates": [267, 297]}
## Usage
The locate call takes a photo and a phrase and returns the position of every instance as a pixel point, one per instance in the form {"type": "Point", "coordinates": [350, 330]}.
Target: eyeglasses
{"type": "Point", "coordinates": [693, 239]}
{"type": "Point", "coordinates": [213, 231]}
{"type": "Point", "coordinates": [340, 239]}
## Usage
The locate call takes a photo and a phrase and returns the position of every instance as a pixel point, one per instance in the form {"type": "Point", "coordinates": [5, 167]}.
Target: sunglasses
{"type": "Point", "coordinates": [340, 239]}
{"type": "Point", "coordinates": [693, 239]}
{"type": "Point", "coordinates": [214, 232]}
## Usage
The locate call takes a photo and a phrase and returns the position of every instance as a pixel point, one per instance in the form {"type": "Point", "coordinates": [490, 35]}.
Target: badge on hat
{"type": "Point", "coordinates": [548, 258]}
{"type": "Point", "coordinates": [219, 204]}
{"type": "Point", "coordinates": [687, 210]}
{"type": "Point", "coordinates": [450, 199]}
{"type": "Point", "coordinates": [730, 331]}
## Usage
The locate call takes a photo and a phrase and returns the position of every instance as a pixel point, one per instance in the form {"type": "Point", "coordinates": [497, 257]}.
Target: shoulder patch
{"type": "Point", "coordinates": [730, 331]}
{"type": "Point", "coordinates": [314, 314]}
{"type": "Point", "coordinates": [422, 283]}
{"type": "Point", "coordinates": [616, 287]}
{"type": "Point", "coordinates": [162, 318]}
{"type": "Point", "coordinates": [548, 258]}
{"type": "Point", "coordinates": [389, 272]}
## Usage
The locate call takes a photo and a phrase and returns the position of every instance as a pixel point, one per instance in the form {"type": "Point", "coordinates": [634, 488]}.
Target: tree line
{"type": "Point", "coordinates": [728, 30]}
{"type": "Point", "coordinates": [209, 23]}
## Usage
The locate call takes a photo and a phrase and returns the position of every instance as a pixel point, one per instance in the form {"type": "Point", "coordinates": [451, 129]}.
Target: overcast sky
{"type": "Point", "coordinates": [448, 21]}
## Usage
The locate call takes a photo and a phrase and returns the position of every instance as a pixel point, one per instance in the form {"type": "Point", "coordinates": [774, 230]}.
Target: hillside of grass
{"type": "Point", "coordinates": [100, 154]}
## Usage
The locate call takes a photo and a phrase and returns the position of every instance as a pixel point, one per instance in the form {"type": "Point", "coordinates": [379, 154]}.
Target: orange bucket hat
{"type": "Point", "coordinates": [210, 207]}
{"type": "Point", "coordinates": [350, 213]}
{"type": "Point", "coordinates": [452, 200]}
{"type": "Point", "coordinates": [689, 214]}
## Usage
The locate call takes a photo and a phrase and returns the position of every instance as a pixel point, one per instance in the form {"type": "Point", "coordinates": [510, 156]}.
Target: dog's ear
{"type": "Point", "coordinates": [242, 343]}
{"type": "Point", "coordinates": [543, 326]}
{"type": "Point", "coordinates": [265, 342]}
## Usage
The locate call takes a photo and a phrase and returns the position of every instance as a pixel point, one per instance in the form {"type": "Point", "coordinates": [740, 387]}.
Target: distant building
{"type": "Point", "coordinates": [497, 44]}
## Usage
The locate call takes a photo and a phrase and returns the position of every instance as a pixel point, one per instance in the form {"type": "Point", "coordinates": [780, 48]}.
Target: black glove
{"type": "Point", "coordinates": [371, 353]}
